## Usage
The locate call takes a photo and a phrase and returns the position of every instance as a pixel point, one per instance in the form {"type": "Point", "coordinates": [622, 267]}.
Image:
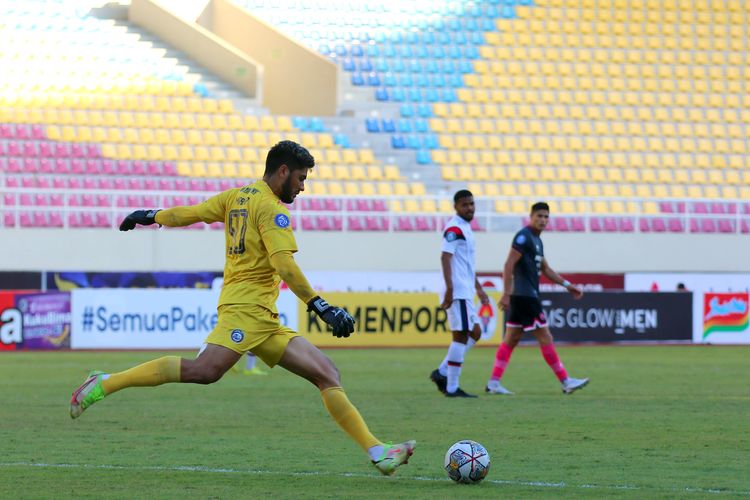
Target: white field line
{"type": "Point", "coordinates": [257, 472]}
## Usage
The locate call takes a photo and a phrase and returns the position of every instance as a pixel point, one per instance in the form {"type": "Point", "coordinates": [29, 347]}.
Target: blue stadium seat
{"type": "Point", "coordinates": [389, 80]}
{"type": "Point", "coordinates": [413, 142]}
{"type": "Point", "coordinates": [397, 95]}
{"type": "Point", "coordinates": [472, 24]}
{"type": "Point", "coordinates": [477, 38]}
{"type": "Point", "coordinates": [397, 142]}
{"type": "Point", "coordinates": [488, 25]}
{"type": "Point", "coordinates": [449, 95]}
{"type": "Point", "coordinates": [421, 126]}
{"type": "Point", "coordinates": [381, 94]}
{"type": "Point", "coordinates": [395, 36]}
{"type": "Point", "coordinates": [508, 12]}
{"type": "Point", "coordinates": [491, 12]}
{"type": "Point", "coordinates": [424, 110]}
{"type": "Point", "coordinates": [373, 80]}
{"type": "Point", "coordinates": [316, 125]}
{"type": "Point", "coordinates": [431, 66]}
{"type": "Point", "coordinates": [454, 24]}
{"type": "Point", "coordinates": [415, 66]}
{"type": "Point", "coordinates": [365, 66]}
{"type": "Point", "coordinates": [447, 67]}
{"type": "Point", "coordinates": [412, 37]}
{"type": "Point", "coordinates": [372, 51]}
{"type": "Point", "coordinates": [437, 80]}
{"type": "Point", "coordinates": [398, 66]}
{"type": "Point", "coordinates": [341, 140]}
{"type": "Point", "coordinates": [340, 49]}
{"type": "Point", "coordinates": [356, 51]}
{"type": "Point", "coordinates": [404, 126]}
{"type": "Point", "coordinates": [465, 67]}
{"type": "Point", "coordinates": [382, 66]}
{"type": "Point", "coordinates": [430, 141]}
{"type": "Point", "coordinates": [405, 51]}
{"type": "Point", "coordinates": [389, 50]}
{"type": "Point", "coordinates": [456, 81]}
{"type": "Point", "coordinates": [301, 123]}
{"type": "Point", "coordinates": [347, 64]}
{"type": "Point", "coordinates": [405, 80]}
{"type": "Point", "coordinates": [372, 125]}
{"type": "Point", "coordinates": [424, 157]}
{"type": "Point", "coordinates": [437, 52]}
{"type": "Point", "coordinates": [357, 79]}
{"type": "Point", "coordinates": [421, 80]}
{"type": "Point", "coordinates": [444, 38]}
{"type": "Point", "coordinates": [414, 95]}
{"type": "Point", "coordinates": [460, 38]}
{"type": "Point", "coordinates": [471, 52]}
{"type": "Point", "coordinates": [454, 52]}
{"type": "Point", "coordinates": [406, 110]}
{"type": "Point", "coordinates": [431, 95]}
{"type": "Point", "coordinates": [388, 125]}
{"type": "Point", "coordinates": [421, 52]}
{"type": "Point", "coordinates": [428, 37]}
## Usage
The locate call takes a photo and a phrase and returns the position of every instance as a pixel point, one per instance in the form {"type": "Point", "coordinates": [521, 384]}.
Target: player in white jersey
{"type": "Point", "coordinates": [458, 261]}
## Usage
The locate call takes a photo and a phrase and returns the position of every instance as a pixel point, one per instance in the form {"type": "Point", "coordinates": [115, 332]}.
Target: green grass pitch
{"type": "Point", "coordinates": [655, 422]}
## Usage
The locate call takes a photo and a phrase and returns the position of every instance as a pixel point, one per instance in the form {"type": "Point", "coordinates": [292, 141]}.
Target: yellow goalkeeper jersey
{"type": "Point", "coordinates": [257, 225]}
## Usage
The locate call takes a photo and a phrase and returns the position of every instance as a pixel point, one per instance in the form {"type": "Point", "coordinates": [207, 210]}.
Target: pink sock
{"type": "Point", "coordinates": [550, 356]}
{"type": "Point", "coordinates": [502, 356]}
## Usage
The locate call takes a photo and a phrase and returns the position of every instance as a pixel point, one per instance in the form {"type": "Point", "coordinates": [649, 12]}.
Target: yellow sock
{"type": "Point", "coordinates": [347, 416]}
{"type": "Point", "coordinates": [149, 374]}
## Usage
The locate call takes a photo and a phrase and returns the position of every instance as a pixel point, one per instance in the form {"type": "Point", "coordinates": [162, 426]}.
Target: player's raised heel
{"type": "Point", "coordinates": [393, 456]}
{"type": "Point", "coordinates": [573, 384]}
{"type": "Point", "coordinates": [87, 394]}
{"type": "Point", "coordinates": [495, 387]}
{"type": "Point", "coordinates": [441, 381]}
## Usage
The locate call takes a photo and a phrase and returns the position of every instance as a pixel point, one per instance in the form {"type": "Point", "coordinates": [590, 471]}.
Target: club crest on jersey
{"type": "Point", "coordinates": [282, 221]}
{"type": "Point", "coordinates": [453, 233]}
{"type": "Point", "coordinates": [521, 239]}
{"type": "Point", "coordinates": [237, 336]}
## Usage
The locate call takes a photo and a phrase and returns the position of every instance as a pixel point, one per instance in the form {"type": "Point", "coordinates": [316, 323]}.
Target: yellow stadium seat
{"type": "Point", "coordinates": [465, 173]}
{"type": "Point", "coordinates": [350, 156]}
{"type": "Point", "coordinates": [366, 156]}
{"type": "Point", "coordinates": [374, 173]}
{"type": "Point", "coordinates": [429, 206]}
{"type": "Point", "coordinates": [198, 169]}
{"type": "Point", "coordinates": [333, 156]}
{"type": "Point", "coordinates": [324, 172]}
{"type": "Point", "coordinates": [368, 189]}
{"type": "Point", "coordinates": [411, 205]}
{"type": "Point", "coordinates": [341, 172]}
{"type": "Point", "coordinates": [392, 173]}
{"type": "Point", "coordinates": [335, 188]}
{"type": "Point", "coordinates": [246, 170]}
{"type": "Point", "coordinates": [445, 206]}
{"type": "Point", "coordinates": [385, 189]}
{"type": "Point", "coordinates": [250, 155]}
{"type": "Point", "coordinates": [417, 189]}
{"type": "Point", "coordinates": [351, 188]}
{"type": "Point", "coordinates": [358, 173]}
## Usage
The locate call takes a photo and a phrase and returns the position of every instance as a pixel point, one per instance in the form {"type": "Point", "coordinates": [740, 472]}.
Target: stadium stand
{"type": "Point", "coordinates": [627, 118]}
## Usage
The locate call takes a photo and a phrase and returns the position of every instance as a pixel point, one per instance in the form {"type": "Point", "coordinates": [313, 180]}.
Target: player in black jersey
{"type": "Point", "coordinates": [520, 301]}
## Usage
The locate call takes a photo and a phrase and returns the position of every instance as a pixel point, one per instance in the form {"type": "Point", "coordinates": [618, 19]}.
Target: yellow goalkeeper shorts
{"type": "Point", "coordinates": [250, 327]}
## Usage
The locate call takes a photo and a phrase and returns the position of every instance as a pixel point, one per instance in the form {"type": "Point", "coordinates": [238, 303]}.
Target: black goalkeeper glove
{"type": "Point", "coordinates": [341, 321]}
{"type": "Point", "coordinates": [142, 217]}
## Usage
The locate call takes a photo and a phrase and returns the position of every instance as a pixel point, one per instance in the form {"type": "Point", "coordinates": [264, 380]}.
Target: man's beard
{"type": "Point", "coordinates": [467, 217]}
{"type": "Point", "coordinates": [287, 191]}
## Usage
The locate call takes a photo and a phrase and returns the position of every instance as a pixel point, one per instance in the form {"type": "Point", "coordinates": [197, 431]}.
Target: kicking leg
{"type": "Point", "coordinates": [304, 359]}
{"type": "Point", "coordinates": [549, 353]}
{"type": "Point", "coordinates": [211, 363]}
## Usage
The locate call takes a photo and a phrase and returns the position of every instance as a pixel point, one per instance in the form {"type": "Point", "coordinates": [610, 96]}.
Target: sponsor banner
{"type": "Point", "coordinates": [46, 320]}
{"type": "Point", "coordinates": [589, 282]}
{"type": "Point", "coordinates": [152, 319]}
{"type": "Point", "coordinates": [72, 280]}
{"type": "Point", "coordinates": [34, 320]}
{"type": "Point", "coordinates": [391, 319]}
{"type": "Point", "coordinates": [142, 319]}
{"type": "Point", "coordinates": [707, 289]}
{"type": "Point", "coordinates": [618, 317]}
{"type": "Point", "coordinates": [725, 318]}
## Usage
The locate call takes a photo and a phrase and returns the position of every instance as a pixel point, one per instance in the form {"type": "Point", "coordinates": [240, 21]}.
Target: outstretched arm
{"type": "Point", "coordinates": [556, 278]}
{"type": "Point", "coordinates": [211, 210]}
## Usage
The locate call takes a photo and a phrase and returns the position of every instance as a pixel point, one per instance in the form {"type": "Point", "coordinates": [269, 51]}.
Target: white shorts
{"type": "Point", "coordinates": [461, 316]}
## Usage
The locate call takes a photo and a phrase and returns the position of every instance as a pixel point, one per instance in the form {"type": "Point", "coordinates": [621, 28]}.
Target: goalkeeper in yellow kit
{"type": "Point", "coordinates": [259, 248]}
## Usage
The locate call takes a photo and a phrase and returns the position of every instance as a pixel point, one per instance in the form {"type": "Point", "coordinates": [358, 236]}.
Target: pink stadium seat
{"type": "Point", "coordinates": [745, 208]}
{"type": "Point", "coordinates": [138, 168]}
{"type": "Point", "coordinates": [745, 226]}
{"type": "Point", "coordinates": [123, 167]}
{"type": "Point", "coordinates": [28, 182]}
{"type": "Point", "coordinates": [22, 131]}
{"type": "Point", "coordinates": [9, 200]}
{"type": "Point", "coordinates": [379, 206]}
{"type": "Point", "coordinates": [74, 200]}
{"type": "Point", "coordinates": [93, 151]}
{"type": "Point", "coordinates": [13, 148]}
{"type": "Point", "coordinates": [90, 183]}
{"type": "Point", "coordinates": [106, 183]}
{"type": "Point", "coordinates": [13, 166]}
{"type": "Point", "coordinates": [354, 223]}
{"type": "Point", "coordinates": [376, 223]}
{"type": "Point", "coordinates": [308, 223]}
{"type": "Point", "coordinates": [194, 200]}
{"type": "Point", "coordinates": [30, 149]}
{"type": "Point", "coordinates": [217, 225]}
{"type": "Point", "coordinates": [323, 223]}
{"type": "Point", "coordinates": [196, 185]}
{"type": "Point", "coordinates": [180, 184]}
{"type": "Point", "coordinates": [597, 225]}
{"type": "Point", "coordinates": [87, 200]}
{"type": "Point", "coordinates": [108, 167]}
{"type": "Point", "coordinates": [727, 226]}
{"type": "Point", "coordinates": [404, 224]}
{"type": "Point", "coordinates": [102, 200]}
{"type": "Point", "coordinates": [708, 226]}
{"type": "Point", "coordinates": [92, 167]}
{"type": "Point", "coordinates": [120, 184]}
{"type": "Point", "coordinates": [666, 207]}
{"type": "Point", "coordinates": [40, 200]}
{"type": "Point", "coordinates": [312, 204]}
{"type": "Point", "coordinates": [62, 150]}
{"type": "Point", "coordinates": [40, 219]}
{"type": "Point", "coordinates": [658, 225]}
{"type": "Point", "coordinates": [559, 224]}
{"type": "Point", "coordinates": [644, 225]}
{"type": "Point", "coordinates": [47, 150]}
{"type": "Point", "coordinates": [166, 184]}
{"type": "Point", "coordinates": [62, 166]}
{"type": "Point", "coordinates": [37, 132]}
{"type": "Point", "coordinates": [46, 166]}
{"type": "Point", "coordinates": [577, 224]}
{"type": "Point", "coordinates": [135, 184]}
{"type": "Point", "coordinates": [102, 220]}
{"type": "Point", "coordinates": [9, 219]}
{"type": "Point", "coordinates": [26, 220]}
{"type": "Point", "coordinates": [55, 219]}
{"type": "Point", "coordinates": [59, 183]}
{"type": "Point", "coordinates": [5, 131]}
{"type": "Point", "coordinates": [626, 225]}
{"type": "Point", "coordinates": [475, 225]}
{"type": "Point", "coordinates": [77, 167]}
{"type": "Point", "coordinates": [86, 219]}
{"type": "Point", "coordinates": [43, 182]}
{"type": "Point", "coordinates": [174, 201]}
{"type": "Point", "coordinates": [717, 208]}
{"type": "Point", "coordinates": [149, 201]}
{"type": "Point", "coordinates": [674, 225]}
{"type": "Point", "coordinates": [699, 208]}
{"type": "Point", "coordinates": [75, 183]}
{"type": "Point", "coordinates": [225, 184]}
{"type": "Point", "coordinates": [424, 223]}
{"type": "Point", "coordinates": [150, 184]}
{"type": "Point", "coordinates": [211, 185]}
{"type": "Point", "coordinates": [332, 205]}
{"type": "Point", "coordinates": [76, 151]}
{"type": "Point", "coordinates": [731, 208]}
{"type": "Point", "coordinates": [337, 223]}
{"type": "Point", "coordinates": [30, 165]}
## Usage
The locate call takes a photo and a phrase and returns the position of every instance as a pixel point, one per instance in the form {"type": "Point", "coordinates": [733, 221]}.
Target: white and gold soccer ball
{"type": "Point", "coordinates": [467, 462]}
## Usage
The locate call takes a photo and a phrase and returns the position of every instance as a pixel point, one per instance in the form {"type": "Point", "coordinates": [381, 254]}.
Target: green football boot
{"type": "Point", "coordinates": [87, 394]}
{"type": "Point", "coordinates": [393, 456]}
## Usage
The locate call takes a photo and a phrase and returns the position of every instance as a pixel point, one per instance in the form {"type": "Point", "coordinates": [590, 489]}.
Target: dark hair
{"type": "Point", "coordinates": [539, 205]}
{"type": "Point", "coordinates": [463, 193]}
{"type": "Point", "coordinates": [288, 153]}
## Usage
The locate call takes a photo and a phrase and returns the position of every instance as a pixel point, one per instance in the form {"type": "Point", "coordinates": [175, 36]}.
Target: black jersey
{"type": "Point", "coordinates": [528, 269]}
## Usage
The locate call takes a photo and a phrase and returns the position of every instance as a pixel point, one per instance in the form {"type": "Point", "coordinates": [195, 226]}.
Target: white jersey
{"type": "Point", "coordinates": [458, 239]}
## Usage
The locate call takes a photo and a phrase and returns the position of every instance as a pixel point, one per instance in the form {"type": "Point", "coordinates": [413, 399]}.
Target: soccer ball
{"type": "Point", "coordinates": [467, 462]}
